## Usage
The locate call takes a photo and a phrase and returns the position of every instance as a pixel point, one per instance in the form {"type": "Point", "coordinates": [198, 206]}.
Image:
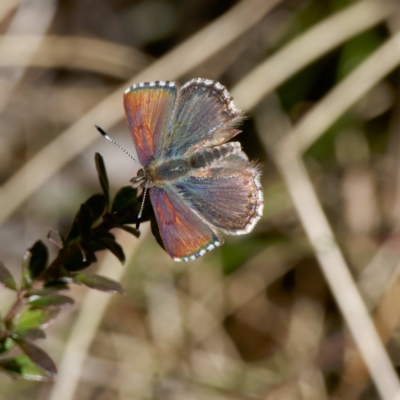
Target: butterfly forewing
{"type": "Point", "coordinates": [204, 116]}
{"type": "Point", "coordinates": [184, 234]}
{"type": "Point", "coordinates": [148, 109]}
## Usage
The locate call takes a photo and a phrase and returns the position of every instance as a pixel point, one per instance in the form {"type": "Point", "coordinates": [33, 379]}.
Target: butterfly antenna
{"type": "Point", "coordinates": [141, 209]}
{"type": "Point", "coordinates": [114, 142]}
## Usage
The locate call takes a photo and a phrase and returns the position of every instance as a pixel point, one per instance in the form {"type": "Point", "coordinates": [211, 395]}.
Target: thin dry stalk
{"type": "Point", "coordinates": [6, 7]}
{"type": "Point", "coordinates": [355, 376]}
{"type": "Point", "coordinates": [288, 156]}
{"type": "Point", "coordinates": [374, 281]}
{"type": "Point", "coordinates": [89, 54]}
{"type": "Point", "coordinates": [306, 330]}
{"type": "Point", "coordinates": [80, 135]}
{"type": "Point", "coordinates": [308, 47]}
{"type": "Point", "coordinates": [344, 95]}
{"type": "Point", "coordinates": [39, 14]}
{"type": "Point", "coordinates": [337, 274]}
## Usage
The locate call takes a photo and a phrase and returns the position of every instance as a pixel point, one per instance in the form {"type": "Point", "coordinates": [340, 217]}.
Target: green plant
{"type": "Point", "coordinates": [38, 298]}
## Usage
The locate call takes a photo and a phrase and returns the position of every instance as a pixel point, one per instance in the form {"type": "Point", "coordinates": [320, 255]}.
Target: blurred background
{"type": "Point", "coordinates": [257, 318]}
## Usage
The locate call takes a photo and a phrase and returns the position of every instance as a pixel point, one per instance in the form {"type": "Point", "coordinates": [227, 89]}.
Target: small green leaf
{"type": "Point", "coordinates": [126, 196]}
{"type": "Point", "coordinates": [114, 247]}
{"type": "Point", "coordinates": [73, 233]}
{"type": "Point", "coordinates": [54, 300]}
{"type": "Point", "coordinates": [38, 357]}
{"type": "Point", "coordinates": [102, 173]}
{"type": "Point", "coordinates": [56, 238]}
{"type": "Point", "coordinates": [103, 234]}
{"type": "Point", "coordinates": [26, 276]}
{"type": "Point", "coordinates": [88, 213]}
{"type": "Point", "coordinates": [130, 229]}
{"type": "Point", "coordinates": [127, 217]}
{"type": "Point", "coordinates": [36, 318]}
{"type": "Point", "coordinates": [76, 261]}
{"type": "Point", "coordinates": [38, 260]}
{"type": "Point", "coordinates": [22, 366]}
{"type": "Point", "coordinates": [6, 278]}
{"type": "Point", "coordinates": [84, 220]}
{"type": "Point", "coordinates": [6, 345]}
{"type": "Point", "coordinates": [98, 282]}
{"type": "Point", "coordinates": [33, 334]}
{"type": "Point", "coordinates": [95, 245]}
{"type": "Point", "coordinates": [47, 290]}
{"type": "Point", "coordinates": [97, 204]}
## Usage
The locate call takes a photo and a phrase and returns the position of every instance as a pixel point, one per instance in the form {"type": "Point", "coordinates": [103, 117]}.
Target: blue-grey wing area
{"type": "Point", "coordinates": [204, 116]}
{"type": "Point", "coordinates": [224, 190]}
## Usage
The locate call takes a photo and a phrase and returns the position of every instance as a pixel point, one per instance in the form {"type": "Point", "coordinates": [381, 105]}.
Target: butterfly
{"type": "Point", "coordinates": [198, 184]}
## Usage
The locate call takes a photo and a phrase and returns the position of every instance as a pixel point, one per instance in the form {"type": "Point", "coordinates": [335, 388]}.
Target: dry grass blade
{"type": "Point", "coordinates": [374, 281]}
{"type": "Point", "coordinates": [289, 152]}
{"type": "Point", "coordinates": [29, 17]}
{"type": "Point", "coordinates": [72, 52]}
{"type": "Point", "coordinates": [305, 333]}
{"type": "Point", "coordinates": [308, 47]}
{"type": "Point", "coordinates": [386, 320]}
{"type": "Point", "coordinates": [178, 62]}
{"type": "Point", "coordinates": [337, 274]}
{"type": "Point", "coordinates": [344, 95]}
{"type": "Point", "coordinates": [6, 7]}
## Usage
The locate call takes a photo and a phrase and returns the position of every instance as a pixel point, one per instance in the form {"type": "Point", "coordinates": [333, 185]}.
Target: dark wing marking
{"type": "Point", "coordinates": [204, 116]}
{"type": "Point", "coordinates": [184, 234]}
{"type": "Point", "coordinates": [226, 193]}
{"type": "Point", "coordinates": [149, 107]}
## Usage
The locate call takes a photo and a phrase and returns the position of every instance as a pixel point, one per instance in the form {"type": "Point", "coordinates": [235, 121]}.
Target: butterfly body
{"type": "Point", "coordinates": [199, 185]}
{"type": "Point", "coordinates": [162, 173]}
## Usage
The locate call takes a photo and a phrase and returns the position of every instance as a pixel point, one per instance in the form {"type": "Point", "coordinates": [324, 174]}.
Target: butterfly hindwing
{"type": "Point", "coordinates": [149, 107]}
{"type": "Point", "coordinates": [204, 116]}
{"type": "Point", "coordinates": [184, 234]}
{"type": "Point", "coordinates": [226, 192]}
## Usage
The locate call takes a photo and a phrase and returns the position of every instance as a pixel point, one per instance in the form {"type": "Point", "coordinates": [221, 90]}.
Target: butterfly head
{"type": "Point", "coordinates": [142, 179]}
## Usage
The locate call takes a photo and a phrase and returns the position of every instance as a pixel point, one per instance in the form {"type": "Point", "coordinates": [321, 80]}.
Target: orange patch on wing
{"type": "Point", "coordinates": [182, 231]}
{"type": "Point", "coordinates": [148, 111]}
{"type": "Point", "coordinates": [145, 145]}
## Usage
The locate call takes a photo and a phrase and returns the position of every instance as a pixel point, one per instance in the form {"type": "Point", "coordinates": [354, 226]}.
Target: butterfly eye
{"type": "Point", "coordinates": [140, 179]}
